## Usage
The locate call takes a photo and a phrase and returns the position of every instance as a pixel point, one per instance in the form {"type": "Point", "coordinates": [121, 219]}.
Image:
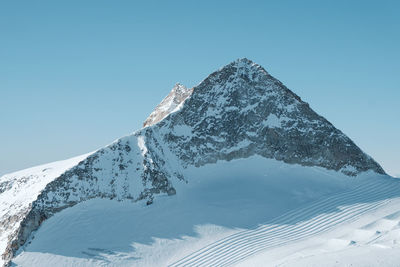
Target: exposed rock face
{"type": "Point", "coordinates": [241, 110]}
{"type": "Point", "coordinates": [236, 112]}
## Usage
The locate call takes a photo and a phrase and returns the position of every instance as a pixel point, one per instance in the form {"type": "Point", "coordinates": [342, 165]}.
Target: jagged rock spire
{"type": "Point", "coordinates": [170, 103]}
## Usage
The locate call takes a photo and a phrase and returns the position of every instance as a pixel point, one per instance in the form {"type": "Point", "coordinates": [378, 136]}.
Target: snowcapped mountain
{"type": "Point", "coordinates": [239, 113]}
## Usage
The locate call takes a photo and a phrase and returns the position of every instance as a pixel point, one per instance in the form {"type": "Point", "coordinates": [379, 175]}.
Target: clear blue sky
{"type": "Point", "coordinates": [76, 75]}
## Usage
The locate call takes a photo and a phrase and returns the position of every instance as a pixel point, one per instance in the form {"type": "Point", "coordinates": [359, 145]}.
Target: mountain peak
{"type": "Point", "coordinates": [242, 104]}
{"type": "Point", "coordinates": [169, 104]}
{"type": "Point", "coordinates": [243, 61]}
{"type": "Point", "coordinates": [179, 88]}
{"type": "Point", "coordinates": [244, 65]}
{"type": "Point", "coordinates": [240, 69]}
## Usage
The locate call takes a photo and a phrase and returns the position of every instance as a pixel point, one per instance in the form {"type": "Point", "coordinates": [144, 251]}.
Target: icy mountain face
{"type": "Point", "coordinates": [236, 112]}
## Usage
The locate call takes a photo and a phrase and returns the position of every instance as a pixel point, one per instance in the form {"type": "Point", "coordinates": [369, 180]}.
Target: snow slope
{"type": "Point", "coordinates": [273, 214]}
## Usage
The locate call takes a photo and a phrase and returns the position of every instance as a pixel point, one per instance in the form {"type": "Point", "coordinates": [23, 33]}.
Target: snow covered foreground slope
{"type": "Point", "coordinates": [251, 212]}
{"type": "Point", "coordinates": [238, 112]}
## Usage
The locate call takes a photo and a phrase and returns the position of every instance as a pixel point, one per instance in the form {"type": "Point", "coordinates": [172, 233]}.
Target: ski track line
{"type": "Point", "coordinates": [248, 242]}
{"type": "Point", "coordinates": [252, 249]}
{"type": "Point", "coordinates": [299, 228]}
{"type": "Point", "coordinates": [302, 211]}
{"type": "Point", "coordinates": [253, 232]}
{"type": "Point", "coordinates": [293, 215]}
{"type": "Point", "coordinates": [350, 215]}
{"type": "Point", "coordinates": [306, 227]}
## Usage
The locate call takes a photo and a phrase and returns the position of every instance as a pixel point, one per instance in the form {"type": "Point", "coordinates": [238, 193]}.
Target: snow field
{"type": "Point", "coordinates": [236, 212]}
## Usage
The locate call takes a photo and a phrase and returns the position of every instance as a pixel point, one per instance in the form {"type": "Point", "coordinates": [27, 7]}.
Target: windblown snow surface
{"type": "Point", "coordinates": [274, 215]}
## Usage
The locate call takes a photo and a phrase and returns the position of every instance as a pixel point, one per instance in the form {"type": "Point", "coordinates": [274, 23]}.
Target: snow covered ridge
{"type": "Point", "coordinates": [236, 112]}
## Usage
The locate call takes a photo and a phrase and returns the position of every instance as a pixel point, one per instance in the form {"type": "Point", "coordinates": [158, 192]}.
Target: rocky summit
{"type": "Point", "coordinates": [236, 112]}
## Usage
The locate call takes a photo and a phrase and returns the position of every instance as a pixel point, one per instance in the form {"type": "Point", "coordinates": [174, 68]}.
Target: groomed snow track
{"type": "Point", "coordinates": [318, 217]}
